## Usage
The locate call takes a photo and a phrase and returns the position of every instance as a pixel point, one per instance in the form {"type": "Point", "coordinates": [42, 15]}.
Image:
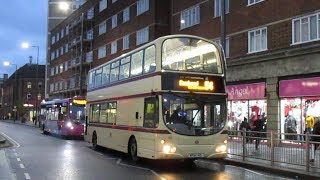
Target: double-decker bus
{"type": "Point", "coordinates": [64, 117]}
{"type": "Point", "coordinates": [163, 100]}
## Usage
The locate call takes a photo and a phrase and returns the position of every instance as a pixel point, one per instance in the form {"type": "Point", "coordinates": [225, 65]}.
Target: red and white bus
{"type": "Point", "coordinates": [163, 100]}
{"type": "Point", "coordinates": [65, 117]}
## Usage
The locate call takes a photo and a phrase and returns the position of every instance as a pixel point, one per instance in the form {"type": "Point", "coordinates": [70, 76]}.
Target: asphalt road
{"type": "Point", "coordinates": [43, 157]}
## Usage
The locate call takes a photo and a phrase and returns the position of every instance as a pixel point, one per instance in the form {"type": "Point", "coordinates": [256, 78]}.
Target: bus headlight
{"type": "Point", "coordinates": [168, 149]}
{"type": "Point", "coordinates": [69, 124]}
{"type": "Point", "coordinates": [221, 148]}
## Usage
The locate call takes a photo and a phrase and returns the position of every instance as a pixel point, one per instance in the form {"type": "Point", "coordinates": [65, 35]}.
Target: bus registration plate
{"type": "Point", "coordinates": [196, 155]}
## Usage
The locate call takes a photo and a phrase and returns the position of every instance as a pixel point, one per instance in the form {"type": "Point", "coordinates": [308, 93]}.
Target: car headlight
{"type": "Point", "coordinates": [221, 148]}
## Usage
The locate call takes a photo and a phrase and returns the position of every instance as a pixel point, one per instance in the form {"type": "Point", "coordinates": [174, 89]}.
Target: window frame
{"type": "Point", "coordinates": [142, 36]}
{"type": "Point", "coordinates": [187, 19]}
{"type": "Point", "coordinates": [125, 42]}
{"type": "Point", "coordinates": [102, 27]}
{"type": "Point", "coordinates": [255, 2]}
{"type": "Point", "coordinates": [102, 52]}
{"type": "Point", "coordinates": [218, 2]}
{"type": "Point", "coordinates": [114, 47]}
{"type": "Point", "coordinates": [142, 6]}
{"type": "Point", "coordinates": [260, 30]}
{"type": "Point", "coordinates": [103, 4]}
{"type": "Point", "coordinates": [114, 21]}
{"type": "Point", "coordinates": [126, 15]}
{"type": "Point", "coordinates": [309, 29]}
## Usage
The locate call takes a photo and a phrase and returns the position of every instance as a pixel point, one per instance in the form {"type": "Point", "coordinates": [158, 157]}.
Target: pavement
{"type": "Point", "coordinates": [253, 162]}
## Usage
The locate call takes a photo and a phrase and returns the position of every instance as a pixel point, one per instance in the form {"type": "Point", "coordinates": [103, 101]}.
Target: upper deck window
{"type": "Point", "coordinates": [188, 54]}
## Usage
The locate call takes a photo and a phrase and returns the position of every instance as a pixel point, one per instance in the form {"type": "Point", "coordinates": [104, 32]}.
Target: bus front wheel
{"type": "Point", "coordinates": [133, 149]}
{"type": "Point", "coordinates": [94, 141]}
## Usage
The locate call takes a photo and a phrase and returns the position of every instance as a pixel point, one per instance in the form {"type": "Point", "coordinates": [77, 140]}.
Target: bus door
{"type": "Point", "coordinates": [150, 121]}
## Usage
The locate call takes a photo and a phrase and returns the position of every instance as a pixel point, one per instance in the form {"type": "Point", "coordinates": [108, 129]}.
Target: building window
{"type": "Point", "coordinates": [113, 47]}
{"type": "Point", "coordinates": [29, 86]}
{"type": "Point", "coordinates": [62, 33]}
{"type": "Point", "coordinates": [257, 40]}
{"type": "Point", "coordinates": [217, 7]}
{"type": "Point", "coordinates": [52, 55]}
{"type": "Point", "coordinates": [90, 34]}
{"type": "Point", "coordinates": [67, 30]}
{"type": "Point", "coordinates": [142, 6]}
{"type": "Point", "coordinates": [251, 2]}
{"type": "Point", "coordinates": [57, 70]}
{"type": "Point", "coordinates": [102, 52]}
{"type": "Point", "coordinates": [66, 48]}
{"type": "Point", "coordinates": [57, 53]}
{"type": "Point", "coordinates": [227, 52]}
{"type": "Point", "coordinates": [190, 17]}
{"type": "Point", "coordinates": [125, 42]}
{"type": "Point", "coordinates": [90, 13]}
{"type": "Point", "coordinates": [66, 66]}
{"type": "Point", "coordinates": [102, 5]}
{"type": "Point", "coordinates": [126, 14]}
{"type": "Point", "coordinates": [61, 68]}
{"type": "Point", "coordinates": [113, 1]}
{"type": "Point", "coordinates": [102, 27]}
{"type": "Point", "coordinates": [52, 72]}
{"type": "Point", "coordinates": [142, 36]}
{"type": "Point", "coordinates": [53, 39]}
{"type": "Point", "coordinates": [306, 29]}
{"type": "Point", "coordinates": [61, 50]}
{"type": "Point", "coordinates": [58, 36]}
{"type": "Point", "coordinates": [114, 21]}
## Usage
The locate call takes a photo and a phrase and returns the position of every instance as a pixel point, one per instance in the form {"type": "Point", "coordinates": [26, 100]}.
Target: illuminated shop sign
{"type": "Point", "coordinates": [195, 85]}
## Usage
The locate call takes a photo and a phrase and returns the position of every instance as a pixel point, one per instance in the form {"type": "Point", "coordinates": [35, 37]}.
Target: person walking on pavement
{"type": "Point", "coordinates": [257, 127]}
{"type": "Point", "coordinates": [316, 131]}
{"type": "Point", "coordinates": [245, 125]}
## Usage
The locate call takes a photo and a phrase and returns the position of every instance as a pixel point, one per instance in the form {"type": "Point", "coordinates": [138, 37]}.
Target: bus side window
{"type": "Point", "coordinates": [151, 113]}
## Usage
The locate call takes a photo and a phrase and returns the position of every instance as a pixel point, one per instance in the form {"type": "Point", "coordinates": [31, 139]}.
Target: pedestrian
{"type": "Point", "coordinates": [245, 126]}
{"type": "Point", "coordinates": [258, 127]}
{"type": "Point", "coordinates": [316, 131]}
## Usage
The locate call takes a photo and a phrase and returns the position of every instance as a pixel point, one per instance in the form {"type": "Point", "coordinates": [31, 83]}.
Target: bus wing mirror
{"type": "Point", "coordinates": [137, 115]}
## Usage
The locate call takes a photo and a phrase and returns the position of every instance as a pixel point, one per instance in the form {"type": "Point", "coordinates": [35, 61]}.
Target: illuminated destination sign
{"type": "Point", "coordinates": [195, 85]}
{"type": "Point", "coordinates": [79, 101]}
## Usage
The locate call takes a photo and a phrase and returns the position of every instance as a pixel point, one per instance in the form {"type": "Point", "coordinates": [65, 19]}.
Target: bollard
{"type": "Point", "coordinates": [307, 152]}
{"type": "Point", "coordinates": [244, 138]}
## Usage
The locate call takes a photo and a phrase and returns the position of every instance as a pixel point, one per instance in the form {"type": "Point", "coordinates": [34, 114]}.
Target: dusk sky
{"type": "Point", "coordinates": [22, 20]}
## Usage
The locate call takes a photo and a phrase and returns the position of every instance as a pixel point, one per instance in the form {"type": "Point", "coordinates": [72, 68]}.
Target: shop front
{"type": "Point", "coordinates": [246, 101]}
{"type": "Point", "coordinates": [300, 105]}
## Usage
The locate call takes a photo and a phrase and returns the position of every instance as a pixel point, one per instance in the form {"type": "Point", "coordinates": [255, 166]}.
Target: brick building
{"type": "Point", "coordinates": [24, 90]}
{"type": "Point", "coordinates": [272, 49]}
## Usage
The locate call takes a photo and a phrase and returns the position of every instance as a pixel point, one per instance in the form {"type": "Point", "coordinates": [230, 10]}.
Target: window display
{"type": "Point", "coordinates": [245, 109]}
{"type": "Point", "coordinates": [298, 114]}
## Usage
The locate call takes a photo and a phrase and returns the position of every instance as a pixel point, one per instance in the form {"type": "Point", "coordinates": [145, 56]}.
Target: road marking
{"type": "Point", "coordinates": [21, 166]}
{"type": "Point", "coordinates": [27, 176]}
{"type": "Point", "coordinates": [18, 159]}
{"type": "Point", "coordinates": [142, 168]}
{"type": "Point", "coordinates": [16, 144]}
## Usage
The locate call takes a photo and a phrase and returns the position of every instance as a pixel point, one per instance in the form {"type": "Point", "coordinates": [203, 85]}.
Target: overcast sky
{"type": "Point", "coordinates": [22, 20]}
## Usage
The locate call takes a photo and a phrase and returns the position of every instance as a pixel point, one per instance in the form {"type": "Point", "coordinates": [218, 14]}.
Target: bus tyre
{"type": "Point", "coordinates": [94, 141]}
{"type": "Point", "coordinates": [133, 149]}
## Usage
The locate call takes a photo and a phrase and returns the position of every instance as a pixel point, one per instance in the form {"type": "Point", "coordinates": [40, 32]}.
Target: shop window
{"type": "Point", "coordinates": [291, 117]}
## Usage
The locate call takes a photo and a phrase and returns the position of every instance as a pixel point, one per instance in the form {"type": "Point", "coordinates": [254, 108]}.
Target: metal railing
{"type": "Point", "coordinates": [294, 151]}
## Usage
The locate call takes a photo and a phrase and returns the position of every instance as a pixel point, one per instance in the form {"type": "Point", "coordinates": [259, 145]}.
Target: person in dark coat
{"type": "Point", "coordinates": [316, 131]}
{"type": "Point", "coordinates": [245, 125]}
{"type": "Point", "coordinates": [258, 127]}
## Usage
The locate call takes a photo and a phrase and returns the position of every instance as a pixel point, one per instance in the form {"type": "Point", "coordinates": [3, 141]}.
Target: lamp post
{"type": "Point", "coordinates": [14, 88]}
{"type": "Point", "coordinates": [26, 45]}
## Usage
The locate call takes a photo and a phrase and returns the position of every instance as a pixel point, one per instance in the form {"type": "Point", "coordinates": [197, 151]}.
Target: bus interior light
{"type": "Point", "coordinates": [173, 149]}
{"type": "Point", "coordinates": [225, 141]}
{"type": "Point", "coordinates": [162, 141]}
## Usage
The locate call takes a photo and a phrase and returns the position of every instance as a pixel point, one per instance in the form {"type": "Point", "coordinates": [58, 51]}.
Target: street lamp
{"type": "Point", "coordinates": [8, 63]}
{"type": "Point", "coordinates": [26, 45]}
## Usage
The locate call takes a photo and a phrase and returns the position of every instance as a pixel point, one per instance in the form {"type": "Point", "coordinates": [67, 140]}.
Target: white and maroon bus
{"type": "Point", "coordinates": [64, 117]}
{"type": "Point", "coordinates": [163, 100]}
